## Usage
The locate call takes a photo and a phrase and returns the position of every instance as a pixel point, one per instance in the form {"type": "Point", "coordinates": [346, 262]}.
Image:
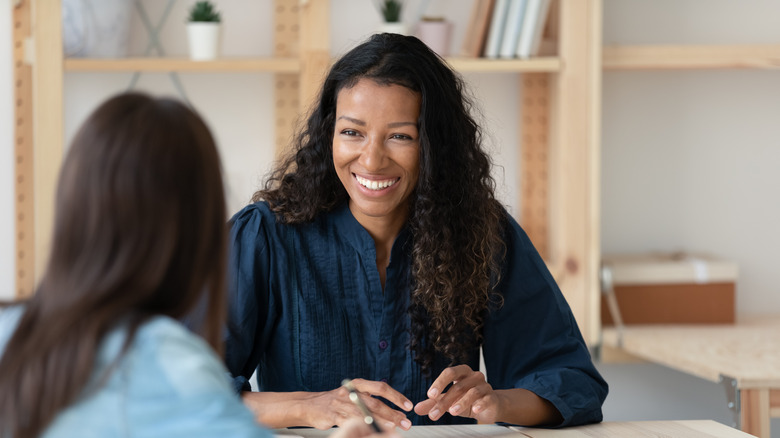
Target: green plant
{"type": "Point", "coordinates": [391, 10]}
{"type": "Point", "coordinates": [204, 11]}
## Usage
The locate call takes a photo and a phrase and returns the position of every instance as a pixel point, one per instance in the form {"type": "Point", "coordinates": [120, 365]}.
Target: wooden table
{"type": "Point", "coordinates": [632, 429]}
{"type": "Point", "coordinates": [744, 358]}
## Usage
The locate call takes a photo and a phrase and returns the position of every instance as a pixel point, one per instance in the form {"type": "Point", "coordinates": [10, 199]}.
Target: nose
{"type": "Point", "coordinates": [373, 156]}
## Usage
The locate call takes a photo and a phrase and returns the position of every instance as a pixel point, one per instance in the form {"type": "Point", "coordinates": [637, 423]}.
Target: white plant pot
{"type": "Point", "coordinates": [204, 39]}
{"type": "Point", "coordinates": [394, 27]}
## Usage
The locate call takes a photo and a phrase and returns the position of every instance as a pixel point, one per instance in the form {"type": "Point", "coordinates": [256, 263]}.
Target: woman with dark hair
{"type": "Point", "coordinates": [139, 241]}
{"type": "Point", "coordinates": [378, 251]}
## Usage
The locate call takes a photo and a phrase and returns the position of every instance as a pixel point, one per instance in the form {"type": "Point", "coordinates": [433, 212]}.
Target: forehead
{"type": "Point", "coordinates": [373, 93]}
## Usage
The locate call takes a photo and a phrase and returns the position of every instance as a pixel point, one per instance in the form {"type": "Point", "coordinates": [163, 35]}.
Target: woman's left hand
{"type": "Point", "coordinates": [469, 396]}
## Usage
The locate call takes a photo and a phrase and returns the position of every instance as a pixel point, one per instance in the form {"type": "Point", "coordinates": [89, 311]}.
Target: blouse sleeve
{"type": "Point", "coordinates": [248, 268]}
{"type": "Point", "coordinates": [532, 341]}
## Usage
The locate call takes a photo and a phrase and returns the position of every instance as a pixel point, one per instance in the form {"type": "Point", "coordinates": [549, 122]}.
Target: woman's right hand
{"type": "Point", "coordinates": [324, 410]}
{"type": "Point", "coordinates": [334, 408]}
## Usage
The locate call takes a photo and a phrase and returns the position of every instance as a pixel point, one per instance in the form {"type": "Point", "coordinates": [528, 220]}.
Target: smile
{"type": "Point", "coordinates": [375, 185]}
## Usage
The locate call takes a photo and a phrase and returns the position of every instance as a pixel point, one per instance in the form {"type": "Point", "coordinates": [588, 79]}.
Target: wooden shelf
{"type": "Point", "coordinates": [671, 57]}
{"type": "Point", "coordinates": [273, 65]}
{"type": "Point", "coordinates": [537, 65]}
{"type": "Point", "coordinates": [286, 65]}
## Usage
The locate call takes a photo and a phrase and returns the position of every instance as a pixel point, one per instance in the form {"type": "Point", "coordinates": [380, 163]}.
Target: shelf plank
{"type": "Point", "coordinates": [670, 57]}
{"type": "Point", "coordinates": [238, 64]}
{"type": "Point", "coordinates": [541, 64]}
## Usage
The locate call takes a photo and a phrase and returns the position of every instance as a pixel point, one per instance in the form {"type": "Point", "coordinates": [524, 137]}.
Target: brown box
{"type": "Point", "coordinates": [670, 289]}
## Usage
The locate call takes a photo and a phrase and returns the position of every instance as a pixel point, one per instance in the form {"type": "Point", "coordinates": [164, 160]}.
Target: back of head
{"type": "Point", "coordinates": [139, 231]}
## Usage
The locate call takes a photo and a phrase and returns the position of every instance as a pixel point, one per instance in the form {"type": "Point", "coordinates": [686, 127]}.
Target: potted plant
{"type": "Point", "coordinates": [203, 31]}
{"type": "Point", "coordinates": [391, 14]}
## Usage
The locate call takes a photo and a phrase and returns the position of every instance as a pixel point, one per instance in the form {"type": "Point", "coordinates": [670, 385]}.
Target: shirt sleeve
{"type": "Point", "coordinates": [248, 269]}
{"type": "Point", "coordinates": [532, 340]}
{"type": "Point", "coordinates": [179, 389]}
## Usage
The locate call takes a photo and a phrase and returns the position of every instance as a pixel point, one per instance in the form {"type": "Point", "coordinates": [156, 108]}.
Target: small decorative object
{"type": "Point", "coordinates": [435, 33]}
{"type": "Point", "coordinates": [203, 31]}
{"type": "Point", "coordinates": [391, 14]}
{"type": "Point", "coordinates": [95, 28]}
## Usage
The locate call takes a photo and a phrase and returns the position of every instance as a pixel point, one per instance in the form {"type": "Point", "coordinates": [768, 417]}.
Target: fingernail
{"type": "Point", "coordinates": [434, 414]}
{"type": "Point", "coordinates": [433, 392]}
{"type": "Point", "coordinates": [406, 424]}
{"type": "Point", "coordinates": [389, 425]}
{"type": "Point", "coordinates": [476, 409]}
{"type": "Point", "coordinates": [455, 409]}
{"type": "Point", "coordinates": [408, 406]}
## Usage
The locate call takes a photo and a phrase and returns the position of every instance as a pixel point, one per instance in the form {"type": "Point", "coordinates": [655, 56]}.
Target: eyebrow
{"type": "Point", "coordinates": [389, 125]}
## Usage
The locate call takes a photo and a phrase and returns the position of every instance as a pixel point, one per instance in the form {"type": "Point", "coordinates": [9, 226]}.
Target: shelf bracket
{"type": "Point", "coordinates": [733, 399]}
{"type": "Point", "coordinates": [154, 43]}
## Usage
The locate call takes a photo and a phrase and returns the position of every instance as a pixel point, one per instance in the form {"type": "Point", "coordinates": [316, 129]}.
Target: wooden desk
{"type": "Point", "coordinates": [744, 358]}
{"type": "Point", "coordinates": [632, 429]}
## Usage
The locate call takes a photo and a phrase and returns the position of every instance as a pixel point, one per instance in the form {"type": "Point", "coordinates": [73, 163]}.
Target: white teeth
{"type": "Point", "coordinates": [375, 185]}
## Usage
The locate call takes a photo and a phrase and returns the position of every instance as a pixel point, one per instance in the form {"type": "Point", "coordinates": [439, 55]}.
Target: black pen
{"type": "Point", "coordinates": [368, 418]}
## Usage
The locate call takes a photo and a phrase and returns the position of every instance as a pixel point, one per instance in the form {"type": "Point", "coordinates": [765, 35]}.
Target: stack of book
{"type": "Point", "coordinates": [505, 29]}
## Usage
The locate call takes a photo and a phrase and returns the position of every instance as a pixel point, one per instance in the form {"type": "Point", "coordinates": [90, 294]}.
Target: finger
{"type": "Point", "coordinates": [457, 391]}
{"type": "Point", "coordinates": [424, 407]}
{"type": "Point", "coordinates": [385, 415]}
{"type": "Point", "coordinates": [476, 397]}
{"type": "Point", "coordinates": [449, 375]}
{"type": "Point", "coordinates": [382, 389]}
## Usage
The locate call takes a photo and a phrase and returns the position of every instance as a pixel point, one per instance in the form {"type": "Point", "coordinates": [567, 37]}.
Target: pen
{"type": "Point", "coordinates": [353, 395]}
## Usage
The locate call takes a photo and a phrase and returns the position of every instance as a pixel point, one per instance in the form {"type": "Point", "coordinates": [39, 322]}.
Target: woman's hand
{"type": "Point", "coordinates": [358, 429]}
{"type": "Point", "coordinates": [324, 410]}
{"type": "Point", "coordinates": [469, 396]}
{"type": "Point", "coordinates": [334, 408]}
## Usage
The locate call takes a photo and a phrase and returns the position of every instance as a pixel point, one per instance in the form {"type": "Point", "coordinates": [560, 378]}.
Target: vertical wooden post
{"type": "Point", "coordinates": [755, 412]}
{"type": "Point", "coordinates": [23, 153]}
{"type": "Point", "coordinates": [533, 159]}
{"type": "Point", "coordinates": [286, 85]}
{"type": "Point", "coordinates": [575, 161]}
{"type": "Point", "coordinates": [47, 74]}
{"type": "Point", "coordinates": [315, 48]}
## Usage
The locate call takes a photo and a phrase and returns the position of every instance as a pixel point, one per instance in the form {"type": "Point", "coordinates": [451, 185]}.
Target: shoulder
{"type": "Point", "coordinates": [180, 358]}
{"type": "Point", "coordinates": [9, 319]}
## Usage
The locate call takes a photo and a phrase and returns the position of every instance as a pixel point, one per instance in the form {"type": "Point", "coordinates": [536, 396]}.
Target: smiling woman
{"type": "Point", "coordinates": [380, 249]}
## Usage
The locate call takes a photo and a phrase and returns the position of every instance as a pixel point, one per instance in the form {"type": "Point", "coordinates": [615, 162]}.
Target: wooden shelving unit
{"type": "Point", "coordinates": [689, 57]}
{"type": "Point", "coordinates": [560, 119]}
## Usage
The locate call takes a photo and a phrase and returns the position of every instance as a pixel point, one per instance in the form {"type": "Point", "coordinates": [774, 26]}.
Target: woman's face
{"type": "Point", "coordinates": [376, 148]}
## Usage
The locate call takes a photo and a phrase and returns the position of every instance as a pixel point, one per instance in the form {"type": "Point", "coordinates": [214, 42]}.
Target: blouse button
{"type": "Point", "coordinates": [382, 344]}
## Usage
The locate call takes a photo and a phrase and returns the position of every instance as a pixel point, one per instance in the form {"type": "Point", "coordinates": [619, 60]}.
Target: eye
{"type": "Point", "coordinates": [349, 132]}
{"type": "Point", "coordinates": [401, 137]}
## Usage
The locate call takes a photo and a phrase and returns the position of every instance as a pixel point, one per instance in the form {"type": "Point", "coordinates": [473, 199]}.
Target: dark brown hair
{"type": "Point", "coordinates": [456, 222]}
{"type": "Point", "coordinates": [139, 231]}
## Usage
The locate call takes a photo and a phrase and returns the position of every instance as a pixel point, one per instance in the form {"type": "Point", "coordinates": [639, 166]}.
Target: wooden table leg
{"type": "Point", "coordinates": [755, 408]}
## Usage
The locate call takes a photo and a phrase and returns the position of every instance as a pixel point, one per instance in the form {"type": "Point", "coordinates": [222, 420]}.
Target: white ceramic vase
{"type": "Point", "coordinates": [204, 40]}
{"type": "Point", "coordinates": [436, 35]}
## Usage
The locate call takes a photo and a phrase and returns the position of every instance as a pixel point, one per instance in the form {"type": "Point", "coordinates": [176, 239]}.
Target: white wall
{"type": "Point", "coordinates": [7, 224]}
{"type": "Point", "coordinates": [689, 162]}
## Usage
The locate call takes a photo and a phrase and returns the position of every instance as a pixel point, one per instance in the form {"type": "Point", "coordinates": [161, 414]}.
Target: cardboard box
{"type": "Point", "coordinates": [671, 289]}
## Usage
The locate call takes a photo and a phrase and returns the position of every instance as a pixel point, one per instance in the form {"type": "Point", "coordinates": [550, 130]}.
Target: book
{"type": "Point", "coordinates": [514, 22]}
{"type": "Point", "coordinates": [496, 32]}
{"type": "Point", "coordinates": [533, 25]}
{"type": "Point", "coordinates": [476, 33]}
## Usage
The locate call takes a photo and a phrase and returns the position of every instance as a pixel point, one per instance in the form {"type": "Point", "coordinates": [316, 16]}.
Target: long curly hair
{"type": "Point", "coordinates": [139, 231]}
{"type": "Point", "coordinates": [455, 220]}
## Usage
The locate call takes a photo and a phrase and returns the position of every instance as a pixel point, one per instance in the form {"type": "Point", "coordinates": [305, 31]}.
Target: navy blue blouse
{"type": "Point", "coordinates": [308, 310]}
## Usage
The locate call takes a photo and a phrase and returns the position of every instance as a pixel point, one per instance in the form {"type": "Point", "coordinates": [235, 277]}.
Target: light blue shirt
{"type": "Point", "coordinates": [168, 384]}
